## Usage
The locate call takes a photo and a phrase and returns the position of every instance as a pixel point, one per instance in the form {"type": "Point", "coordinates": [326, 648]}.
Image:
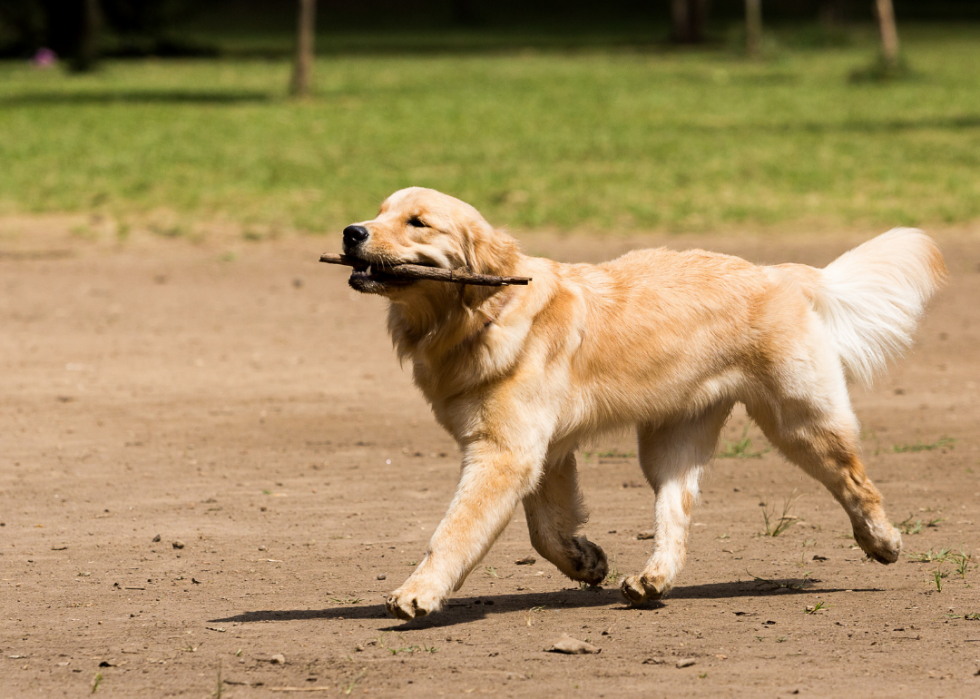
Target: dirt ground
{"type": "Point", "coordinates": [210, 456]}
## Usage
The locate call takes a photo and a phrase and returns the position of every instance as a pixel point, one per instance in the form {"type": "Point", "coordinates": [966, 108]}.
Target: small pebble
{"type": "Point", "coordinates": [156, 539]}
{"type": "Point", "coordinates": [381, 576]}
{"type": "Point", "coordinates": [526, 561]}
{"type": "Point", "coordinates": [686, 662]}
{"type": "Point", "coordinates": [644, 535]}
{"type": "Point", "coordinates": [572, 646]}
{"type": "Point", "coordinates": [278, 659]}
{"type": "Point", "coordinates": [178, 544]}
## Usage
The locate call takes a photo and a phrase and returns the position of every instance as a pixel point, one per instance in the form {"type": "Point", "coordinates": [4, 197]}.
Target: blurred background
{"type": "Point", "coordinates": [175, 116]}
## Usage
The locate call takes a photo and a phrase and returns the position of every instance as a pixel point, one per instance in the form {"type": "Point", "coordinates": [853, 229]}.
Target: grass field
{"type": "Point", "coordinates": [594, 139]}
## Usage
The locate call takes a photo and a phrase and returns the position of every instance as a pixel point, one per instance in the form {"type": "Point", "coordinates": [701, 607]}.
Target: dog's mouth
{"type": "Point", "coordinates": [371, 277]}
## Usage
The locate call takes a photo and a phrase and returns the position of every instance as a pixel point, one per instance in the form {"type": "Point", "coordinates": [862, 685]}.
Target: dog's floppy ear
{"type": "Point", "coordinates": [487, 251]}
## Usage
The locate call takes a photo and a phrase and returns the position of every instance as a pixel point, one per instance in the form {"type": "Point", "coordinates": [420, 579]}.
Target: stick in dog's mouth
{"type": "Point", "coordinates": [407, 272]}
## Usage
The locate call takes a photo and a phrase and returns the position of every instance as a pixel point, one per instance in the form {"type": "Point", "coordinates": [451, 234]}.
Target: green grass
{"type": "Point", "coordinates": [908, 526]}
{"type": "Point", "coordinates": [742, 449]}
{"type": "Point", "coordinates": [941, 443]}
{"type": "Point", "coordinates": [593, 139]}
{"type": "Point", "coordinates": [777, 525]}
{"type": "Point", "coordinates": [931, 557]}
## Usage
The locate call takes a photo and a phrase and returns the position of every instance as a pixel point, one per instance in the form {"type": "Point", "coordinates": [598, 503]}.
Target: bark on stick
{"type": "Point", "coordinates": [457, 276]}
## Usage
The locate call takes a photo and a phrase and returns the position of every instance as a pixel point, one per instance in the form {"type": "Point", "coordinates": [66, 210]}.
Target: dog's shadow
{"type": "Point", "coordinates": [464, 610]}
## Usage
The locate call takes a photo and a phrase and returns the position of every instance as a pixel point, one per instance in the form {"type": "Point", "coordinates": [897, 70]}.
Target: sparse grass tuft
{"type": "Point", "coordinates": [777, 585]}
{"type": "Point", "coordinates": [742, 449]}
{"type": "Point", "coordinates": [962, 561]}
{"type": "Point", "coordinates": [491, 572]}
{"type": "Point", "coordinates": [168, 231]}
{"type": "Point", "coordinates": [96, 682]}
{"type": "Point", "coordinates": [529, 615]}
{"type": "Point", "coordinates": [907, 526]}
{"type": "Point", "coordinates": [814, 608]}
{"type": "Point", "coordinates": [613, 575]}
{"type": "Point", "coordinates": [348, 688]}
{"type": "Point", "coordinates": [941, 443]}
{"type": "Point", "coordinates": [931, 557]}
{"type": "Point", "coordinates": [413, 648]}
{"type": "Point", "coordinates": [347, 600]}
{"type": "Point", "coordinates": [774, 526]}
{"type": "Point", "coordinates": [938, 575]}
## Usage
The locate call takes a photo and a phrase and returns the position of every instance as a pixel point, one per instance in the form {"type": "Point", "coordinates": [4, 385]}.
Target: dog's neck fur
{"type": "Point", "coordinates": [436, 324]}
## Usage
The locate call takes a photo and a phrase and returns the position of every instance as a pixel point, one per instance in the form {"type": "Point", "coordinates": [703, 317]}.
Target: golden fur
{"type": "Point", "coordinates": [664, 341]}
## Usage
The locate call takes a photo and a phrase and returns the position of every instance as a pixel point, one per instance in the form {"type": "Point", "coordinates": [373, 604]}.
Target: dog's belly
{"type": "Point", "coordinates": [607, 407]}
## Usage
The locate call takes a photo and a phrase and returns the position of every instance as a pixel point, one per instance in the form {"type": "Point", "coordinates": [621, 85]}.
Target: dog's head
{"type": "Point", "coordinates": [424, 227]}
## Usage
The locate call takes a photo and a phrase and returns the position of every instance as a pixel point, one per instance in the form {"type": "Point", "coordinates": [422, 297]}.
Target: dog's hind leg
{"type": "Point", "coordinates": [555, 512]}
{"type": "Point", "coordinates": [672, 457]}
{"type": "Point", "coordinates": [817, 430]}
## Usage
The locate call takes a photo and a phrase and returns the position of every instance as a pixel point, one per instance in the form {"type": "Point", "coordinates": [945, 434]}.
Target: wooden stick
{"type": "Point", "coordinates": [438, 274]}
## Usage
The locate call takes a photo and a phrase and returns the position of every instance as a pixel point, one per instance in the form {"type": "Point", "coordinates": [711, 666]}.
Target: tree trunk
{"type": "Point", "coordinates": [889, 33]}
{"type": "Point", "coordinates": [689, 18]}
{"type": "Point", "coordinates": [698, 19]}
{"type": "Point", "coordinates": [465, 13]}
{"type": "Point", "coordinates": [303, 67]}
{"type": "Point", "coordinates": [679, 14]}
{"type": "Point", "coordinates": [73, 31]}
{"type": "Point", "coordinates": [831, 13]}
{"type": "Point", "coordinates": [753, 28]}
{"type": "Point", "coordinates": [88, 37]}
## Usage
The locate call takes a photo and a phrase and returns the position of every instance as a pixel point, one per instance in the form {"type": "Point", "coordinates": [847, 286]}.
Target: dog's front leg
{"type": "Point", "coordinates": [494, 479]}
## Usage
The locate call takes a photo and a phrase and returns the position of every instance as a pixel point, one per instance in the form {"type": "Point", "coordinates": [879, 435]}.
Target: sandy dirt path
{"type": "Point", "coordinates": [208, 459]}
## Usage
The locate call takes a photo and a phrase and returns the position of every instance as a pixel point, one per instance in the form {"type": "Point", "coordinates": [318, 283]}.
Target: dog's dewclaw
{"type": "Point", "coordinates": [407, 271]}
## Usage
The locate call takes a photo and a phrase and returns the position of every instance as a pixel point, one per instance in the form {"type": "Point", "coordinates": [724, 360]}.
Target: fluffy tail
{"type": "Point", "coordinates": [871, 297]}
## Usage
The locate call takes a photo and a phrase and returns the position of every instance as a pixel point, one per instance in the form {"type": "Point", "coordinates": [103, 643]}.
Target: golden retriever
{"type": "Point", "coordinates": [666, 341]}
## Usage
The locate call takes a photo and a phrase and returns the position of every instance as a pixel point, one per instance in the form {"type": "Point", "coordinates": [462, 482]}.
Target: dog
{"type": "Point", "coordinates": [664, 341]}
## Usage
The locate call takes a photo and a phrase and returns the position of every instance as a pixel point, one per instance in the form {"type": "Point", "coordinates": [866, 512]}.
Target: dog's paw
{"type": "Point", "coordinates": [641, 589]}
{"type": "Point", "coordinates": [589, 562]}
{"type": "Point", "coordinates": [410, 602]}
{"type": "Point", "coordinates": [883, 543]}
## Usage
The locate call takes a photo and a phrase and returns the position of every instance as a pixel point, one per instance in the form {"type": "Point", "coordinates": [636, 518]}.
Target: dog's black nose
{"type": "Point", "coordinates": [354, 236]}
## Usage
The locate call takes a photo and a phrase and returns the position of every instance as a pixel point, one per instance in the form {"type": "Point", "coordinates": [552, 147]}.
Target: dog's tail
{"type": "Point", "coordinates": [871, 298]}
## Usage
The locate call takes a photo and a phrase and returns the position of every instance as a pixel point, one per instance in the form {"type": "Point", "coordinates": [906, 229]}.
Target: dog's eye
{"type": "Point", "coordinates": [416, 222]}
